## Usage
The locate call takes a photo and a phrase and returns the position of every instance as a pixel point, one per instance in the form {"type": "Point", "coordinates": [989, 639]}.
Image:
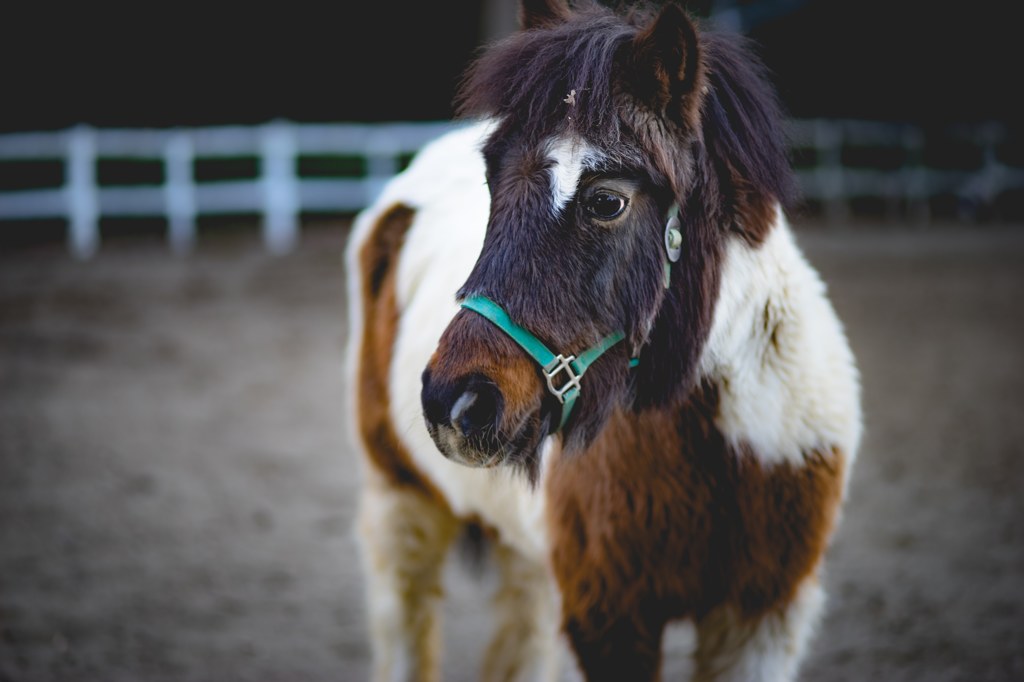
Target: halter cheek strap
{"type": "Point", "coordinates": [552, 365]}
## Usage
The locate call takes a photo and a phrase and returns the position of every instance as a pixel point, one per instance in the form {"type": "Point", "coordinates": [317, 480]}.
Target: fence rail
{"type": "Point", "coordinates": [974, 165]}
{"type": "Point", "coordinates": [279, 193]}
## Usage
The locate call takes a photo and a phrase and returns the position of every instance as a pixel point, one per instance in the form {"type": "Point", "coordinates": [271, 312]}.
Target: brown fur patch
{"type": "Point", "coordinates": [660, 519]}
{"type": "Point", "coordinates": [754, 213]}
{"type": "Point", "coordinates": [474, 350]}
{"type": "Point", "coordinates": [473, 345]}
{"type": "Point", "coordinates": [378, 261]}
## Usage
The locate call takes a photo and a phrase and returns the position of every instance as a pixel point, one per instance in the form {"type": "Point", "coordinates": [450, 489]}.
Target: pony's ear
{"type": "Point", "coordinates": [542, 13]}
{"type": "Point", "coordinates": [666, 64]}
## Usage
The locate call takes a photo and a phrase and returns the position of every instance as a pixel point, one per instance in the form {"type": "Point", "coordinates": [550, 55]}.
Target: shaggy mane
{"type": "Point", "coordinates": [525, 78]}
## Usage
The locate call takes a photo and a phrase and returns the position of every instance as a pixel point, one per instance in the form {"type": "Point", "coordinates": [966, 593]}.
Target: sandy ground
{"type": "Point", "coordinates": [176, 493]}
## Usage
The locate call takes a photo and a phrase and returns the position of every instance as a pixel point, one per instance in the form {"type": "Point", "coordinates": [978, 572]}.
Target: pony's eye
{"type": "Point", "coordinates": [605, 205]}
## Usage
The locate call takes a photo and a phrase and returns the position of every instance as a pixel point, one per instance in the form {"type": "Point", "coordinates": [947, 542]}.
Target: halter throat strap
{"type": "Point", "coordinates": [552, 365]}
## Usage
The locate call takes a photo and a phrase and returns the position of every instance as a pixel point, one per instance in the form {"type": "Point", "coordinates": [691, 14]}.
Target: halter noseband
{"type": "Point", "coordinates": [574, 367]}
{"type": "Point", "coordinates": [551, 364]}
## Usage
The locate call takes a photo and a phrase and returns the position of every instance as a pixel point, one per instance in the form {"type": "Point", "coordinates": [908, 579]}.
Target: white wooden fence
{"type": "Point", "coordinates": [834, 182]}
{"type": "Point", "coordinates": [279, 194]}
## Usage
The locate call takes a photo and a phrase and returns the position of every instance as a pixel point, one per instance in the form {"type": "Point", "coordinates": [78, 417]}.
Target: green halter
{"type": "Point", "coordinates": [573, 366]}
{"type": "Point", "coordinates": [551, 364]}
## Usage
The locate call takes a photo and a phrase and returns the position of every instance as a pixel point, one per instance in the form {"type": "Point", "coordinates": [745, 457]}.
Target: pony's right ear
{"type": "Point", "coordinates": [666, 63]}
{"type": "Point", "coordinates": [542, 13]}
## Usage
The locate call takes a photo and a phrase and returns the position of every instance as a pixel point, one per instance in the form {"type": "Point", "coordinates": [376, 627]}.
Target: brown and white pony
{"type": "Point", "coordinates": [702, 481]}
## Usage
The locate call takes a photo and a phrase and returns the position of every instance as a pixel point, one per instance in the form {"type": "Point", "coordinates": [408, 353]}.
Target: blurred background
{"type": "Point", "coordinates": [176, 187]}
{"type": "Point", "coordinates": [900, 111]}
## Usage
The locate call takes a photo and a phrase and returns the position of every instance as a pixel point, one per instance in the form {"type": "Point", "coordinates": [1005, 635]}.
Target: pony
{"type": "Point", "coordinates": [582, 323]}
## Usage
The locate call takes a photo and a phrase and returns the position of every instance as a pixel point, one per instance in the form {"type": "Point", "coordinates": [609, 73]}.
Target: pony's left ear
{"type": "Point", "coordinates": [666, 65]}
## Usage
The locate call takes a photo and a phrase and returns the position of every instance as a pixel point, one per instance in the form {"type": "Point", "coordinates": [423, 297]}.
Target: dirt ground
{"type": "Point", "coordinates": [176, 493]}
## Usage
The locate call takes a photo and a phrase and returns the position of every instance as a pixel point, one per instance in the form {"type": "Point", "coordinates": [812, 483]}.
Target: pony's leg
{"type": "Point", "coordinates": [627, 649]}
{"type": "Point", "coordinates": [525, 642]}
{"type": "Point", "coordinates": [765, 650]}
{"type": "Point", "coordinates": [403, 537]}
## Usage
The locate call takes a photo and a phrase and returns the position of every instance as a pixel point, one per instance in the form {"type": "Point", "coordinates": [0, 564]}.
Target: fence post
{"type": "Point", "coordinates": [381, 163]}
{"type": "Point", "coordinates": [915, 176]}
{"type": "Point", "coordinates": [828, 140]}
{"type": "Point", "coordinates": [179, 193]}
{"type": "Point", "coordinates": [280, 187]}
{"type": "Point", "coordinates": [990, 178]}
{"type": "Point", "coordinates": [81, 193]}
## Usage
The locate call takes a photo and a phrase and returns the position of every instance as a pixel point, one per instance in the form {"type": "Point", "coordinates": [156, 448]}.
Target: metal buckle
{"type": "Point", "coordinates": [553, 368]}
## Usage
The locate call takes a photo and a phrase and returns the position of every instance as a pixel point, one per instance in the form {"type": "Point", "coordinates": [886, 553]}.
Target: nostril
{"type": "Point", "coordinates": [476, 410]}
{"type": "Point", "coordinates": [471, 406]}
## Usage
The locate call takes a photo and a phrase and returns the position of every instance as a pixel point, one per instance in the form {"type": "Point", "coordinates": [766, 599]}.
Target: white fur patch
{"type": "Point", "coordinates": [787, 378]}
{"type": "Point", "coordinates": [570, 157]}
{"type": "Point", "coordinates": [445, 184]}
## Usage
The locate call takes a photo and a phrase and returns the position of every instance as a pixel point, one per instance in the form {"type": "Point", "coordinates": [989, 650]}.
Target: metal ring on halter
{"type": "Point", "coordinates": [673, 235]}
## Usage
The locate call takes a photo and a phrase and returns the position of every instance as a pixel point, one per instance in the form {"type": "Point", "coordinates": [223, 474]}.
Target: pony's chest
{"type": "Point", "coordinates": [437, 255]}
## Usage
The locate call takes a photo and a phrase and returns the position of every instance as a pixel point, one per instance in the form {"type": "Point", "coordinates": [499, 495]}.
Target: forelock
{"type": "Point", "coordinates": [526, 78]}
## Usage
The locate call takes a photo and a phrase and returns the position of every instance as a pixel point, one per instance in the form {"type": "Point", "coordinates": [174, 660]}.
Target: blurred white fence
{"type": "Point", "coordinates": [279, 194]}
{"type": "Point", "coordinates": [912, 179]}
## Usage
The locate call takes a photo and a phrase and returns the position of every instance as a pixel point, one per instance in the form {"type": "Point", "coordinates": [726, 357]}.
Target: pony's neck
{"type": "Point", "coordinates": [776, 354]}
